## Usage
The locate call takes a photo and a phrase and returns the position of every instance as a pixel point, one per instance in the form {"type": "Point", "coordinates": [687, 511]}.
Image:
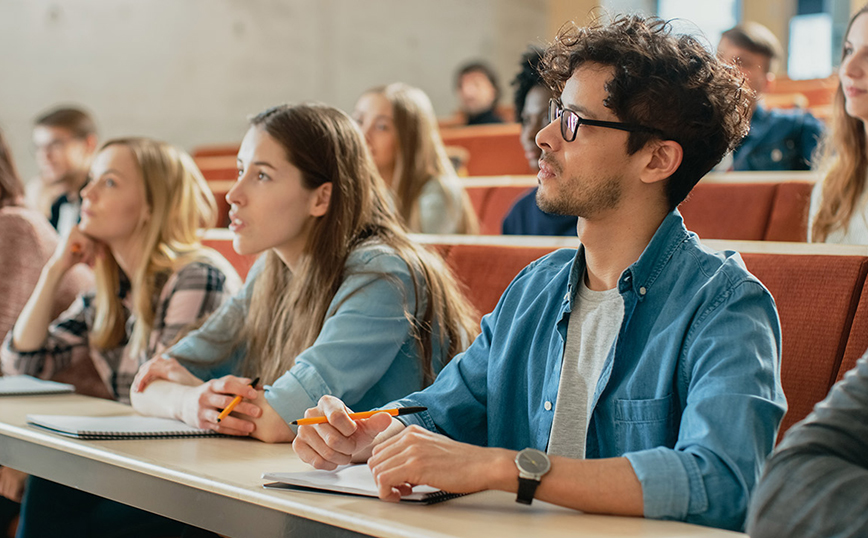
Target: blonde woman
{"type": "Point", "coordinates": [342, 302]}
{"type": "Point", "coordinates": [401, 131]}
{"type": "Point", "coordinates": [839, 204]}
{"type": "Point", "coordinates": [140, 214]}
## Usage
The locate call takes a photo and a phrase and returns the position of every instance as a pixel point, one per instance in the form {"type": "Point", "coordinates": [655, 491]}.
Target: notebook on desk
{"type": "Point", "coordinates": [117, 427]}
{"type": "Point", "coordinates": [349, 480]}
{"type": "Point", "coordinates": [25, 385]}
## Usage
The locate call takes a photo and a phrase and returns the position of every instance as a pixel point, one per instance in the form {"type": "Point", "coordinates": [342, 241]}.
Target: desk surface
{"type": "Point", "coordinates": [216, 484]}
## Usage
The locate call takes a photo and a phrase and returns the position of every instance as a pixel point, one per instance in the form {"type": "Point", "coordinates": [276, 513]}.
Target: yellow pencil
{"type": "Point", "coordinates": [234, 402]}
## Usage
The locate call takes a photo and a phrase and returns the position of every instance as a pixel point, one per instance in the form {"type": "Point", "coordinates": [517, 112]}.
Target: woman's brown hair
{"type": "Point", "coordinates": [422, 158]}
{"type": "Point", "coordinates": [846, 164]}
{"type": "Point", "coordinates": [11, 188]}
{"type": "Point", "coordinates": [289, 306]}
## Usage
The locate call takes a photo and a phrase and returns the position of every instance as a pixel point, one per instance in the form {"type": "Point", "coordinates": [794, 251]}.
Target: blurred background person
{"type": "Point", "coordinates": [838, 212]}
{"type": "Point", "coordinates": [778, 139]}
{"type": "Point", "coordinates": [65, 141]}
{"type": "Point", "coordinates": [478, 93]}
{"type": "Point", "coordinates": [401, 132]}
{"type": "Point", "coordinates": [532, 111]}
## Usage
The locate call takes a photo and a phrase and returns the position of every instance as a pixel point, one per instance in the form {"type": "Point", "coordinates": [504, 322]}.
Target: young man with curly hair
{"type": "Point", "coordinates": [638, 375]}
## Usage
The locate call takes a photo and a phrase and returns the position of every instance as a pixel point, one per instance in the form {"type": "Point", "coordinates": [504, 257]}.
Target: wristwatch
{"type": "Point", "coordinates": [532, 465]}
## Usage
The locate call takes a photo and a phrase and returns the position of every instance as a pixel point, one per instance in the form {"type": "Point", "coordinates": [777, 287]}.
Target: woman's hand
{"type": "Point", "coordinates": [166, 368]}
{"type": "Point", "coordinates": [77, 247]}
{"type": "Point", "coordinates": [12, 484]}
{"type": "Point", "coordinates": [201, 406]}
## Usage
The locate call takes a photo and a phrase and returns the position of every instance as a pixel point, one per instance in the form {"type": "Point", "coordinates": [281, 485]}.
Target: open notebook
{"type": "Point", "coordinates": [349, 480]}
{"type": "Point", "coordinates": [117, 427]}
{"type": "Point", "coordinates": [25, 385]}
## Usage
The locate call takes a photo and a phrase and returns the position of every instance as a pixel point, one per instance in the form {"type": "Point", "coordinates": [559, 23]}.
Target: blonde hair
{"type": "Point", "coordinates": [180, 202]}
{"type": "Point", "coordinates": [421, 157]}
{"type": "Point", "coordinates": [289, 306]}
{"type": "Point", "coordinates": [844, 159]}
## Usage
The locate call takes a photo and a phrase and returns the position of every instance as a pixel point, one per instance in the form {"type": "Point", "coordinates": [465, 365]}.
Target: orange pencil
{"type": "Point", "coordinates": [363, 414]}
{"type": "Point", "coordinates": [235, 401]}
{"type": "Point", "coordinates": [76, 248]}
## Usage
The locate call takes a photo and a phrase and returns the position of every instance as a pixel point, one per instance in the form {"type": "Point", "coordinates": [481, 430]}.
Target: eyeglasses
{"type": "Point", "coordinates": [54, 146]}
{"type": "Point", "coordinates": [570, 122]}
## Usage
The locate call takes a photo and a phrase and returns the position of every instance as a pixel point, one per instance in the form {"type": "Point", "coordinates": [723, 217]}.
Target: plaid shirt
{"type": "Point", "coordinates": [187, 296]}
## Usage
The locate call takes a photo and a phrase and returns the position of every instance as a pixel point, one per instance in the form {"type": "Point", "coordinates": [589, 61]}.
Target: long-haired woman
{"type": "Point", "coordinates": [839, 204]}
{"type": "Point", "coordinates": [342, 302]}
{"type": "Point", "coordinates": [401, 131]}
{"type": "Point", "coordinates": [141, 212]}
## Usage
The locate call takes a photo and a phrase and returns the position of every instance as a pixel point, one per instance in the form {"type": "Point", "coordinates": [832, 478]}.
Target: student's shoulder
{"type": "Point", "coordinates": [376, 256]}
{"type": "Point", "coordinates": [204, 275]}
{"type": "Point", "coordinates": [795, 119]}
{"type": "Point", "coordinates": [21, 220]}
{"type": "Point", "coordinates": [723, 268]}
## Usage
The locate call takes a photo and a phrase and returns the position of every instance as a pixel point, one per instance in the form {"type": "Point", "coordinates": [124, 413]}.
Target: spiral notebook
{"type": "Point", "coordinates": [349, 480]}
{"type": "Point", "coordinates": [25, 385]}
{"type": "Point", "coordinates": [116, 427]}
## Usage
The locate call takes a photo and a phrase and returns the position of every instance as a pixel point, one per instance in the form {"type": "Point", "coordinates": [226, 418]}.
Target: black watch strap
{"type": "Point", "coordinates": [526, 489]}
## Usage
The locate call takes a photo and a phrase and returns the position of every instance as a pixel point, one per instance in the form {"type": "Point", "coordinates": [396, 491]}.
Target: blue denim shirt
{"type": "Point", "coordinates": [365, 353]}
{"type": "Point", "coordinates": [690, 391]}
{"type": "Point", "coordinates": [778, 140]}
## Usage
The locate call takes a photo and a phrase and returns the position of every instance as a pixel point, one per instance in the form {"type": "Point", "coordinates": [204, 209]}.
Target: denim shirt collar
{"type": "Point", "coordinates": [640, 276]}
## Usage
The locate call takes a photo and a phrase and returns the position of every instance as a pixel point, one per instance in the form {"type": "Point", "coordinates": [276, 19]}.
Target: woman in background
{"type": "Point", "coordinates": [26, 243]}
{"type": "Point", "coordinates": [342, 302]}
{"type": "Point", "coordinates": [141, 212]}
{"type": "Point", "coordinates": [839, 203]}
{"type": "Point", "coordinates": [401, 131]}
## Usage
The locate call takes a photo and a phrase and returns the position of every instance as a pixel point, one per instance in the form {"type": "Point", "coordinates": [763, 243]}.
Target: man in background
{"type": "Point", "coordinates": [778, 140]}
{"type": "Point", "coordinates": [478, 93]}
{"type": "Point", "coordinates": [532, 111]}
{"type": "Point", "coordinates": [65, 140]}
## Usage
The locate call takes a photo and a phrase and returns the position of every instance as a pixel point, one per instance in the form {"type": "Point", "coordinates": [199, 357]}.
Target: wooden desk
{"type": "Point", "coordinates": [215, 484]}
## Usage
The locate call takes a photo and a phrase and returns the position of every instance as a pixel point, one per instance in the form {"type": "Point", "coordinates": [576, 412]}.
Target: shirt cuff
{"type": "Point", "coordinates": [295, 392]}
{"type": "Point", "coordinates": [422, 419]}
{"type": "Point", "coordinates": [671, 486]}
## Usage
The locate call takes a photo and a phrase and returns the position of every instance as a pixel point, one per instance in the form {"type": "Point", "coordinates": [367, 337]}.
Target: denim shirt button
{"type": "Point", "coordinates": [642, 291]}
{"type": "Point", "coordinates": [548, 406]}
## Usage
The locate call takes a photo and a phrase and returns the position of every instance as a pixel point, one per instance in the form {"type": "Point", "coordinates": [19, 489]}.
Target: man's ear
{"type": "Point", "coordinates": [321, 199]}
{"type": "Point", "coordinates": [664, 160]}
{"type": "Point", "coordinates": [90, 142]}
{"type": "Point", "coordinates": [770, 82]}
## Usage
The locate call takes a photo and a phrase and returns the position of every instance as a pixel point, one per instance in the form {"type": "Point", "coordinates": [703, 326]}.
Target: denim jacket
{"type": "Point", "coordinates": [365, 353]}
{"type": "Point", "coordinates": [689, 393]}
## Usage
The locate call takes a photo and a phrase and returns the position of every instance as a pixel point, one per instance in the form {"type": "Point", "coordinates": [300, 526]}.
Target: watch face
{"type": "Point", "coordinates": [532, 461]}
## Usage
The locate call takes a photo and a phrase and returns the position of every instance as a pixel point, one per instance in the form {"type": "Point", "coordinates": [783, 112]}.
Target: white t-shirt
{"type": "Point", "coordinates": [593, 326]}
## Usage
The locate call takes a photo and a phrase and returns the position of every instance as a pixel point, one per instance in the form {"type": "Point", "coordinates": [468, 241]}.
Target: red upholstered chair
{"type": "Point", "coordinates": [789, 214]}
{"type": "Point", "coordinates": [736, 211]}
{"type": "Point", "coordinates": [857, 342]}
{"type": "Point", "coordinates": [498, 204]}
{"type": "Point", "coordinates": [494, 149]}
{"type": "Point", "coordinates": [816, 297]}
{"type": "Point", "coordinates": [478, 198]}
{"type": "Point", "coordinates": [486, 270]}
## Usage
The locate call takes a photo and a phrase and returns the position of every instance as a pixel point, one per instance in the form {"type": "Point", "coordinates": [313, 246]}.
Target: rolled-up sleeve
{"type": "Point", "coordinates": [816, 484]}
{"type": "Point", "coordinates": [732, 412]}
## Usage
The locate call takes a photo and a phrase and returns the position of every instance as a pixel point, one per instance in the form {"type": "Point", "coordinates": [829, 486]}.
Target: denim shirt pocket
{"type": "Point", "coordinates": [779, 155]}
{"type": "Point", "coordinates": [644, 424]}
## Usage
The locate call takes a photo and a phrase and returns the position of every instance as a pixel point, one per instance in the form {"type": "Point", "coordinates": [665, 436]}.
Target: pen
{"type": "Point", "coordinates": [363, 414]}
{"type": "Point", "coordinates": [234, 402]}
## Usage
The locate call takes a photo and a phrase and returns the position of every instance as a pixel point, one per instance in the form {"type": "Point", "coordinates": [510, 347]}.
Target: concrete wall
{"type": "Point", "coordinates": [190, 71]}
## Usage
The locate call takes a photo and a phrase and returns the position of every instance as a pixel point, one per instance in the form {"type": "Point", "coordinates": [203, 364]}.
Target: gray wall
{"type": "Point", "coordinates": [190, 71]}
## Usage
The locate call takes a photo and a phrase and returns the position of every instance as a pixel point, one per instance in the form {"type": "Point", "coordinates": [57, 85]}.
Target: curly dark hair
{"type": "Point", "coordinates": [667, 82]}
{"type": "Point", "coordinates": [527, 78]}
